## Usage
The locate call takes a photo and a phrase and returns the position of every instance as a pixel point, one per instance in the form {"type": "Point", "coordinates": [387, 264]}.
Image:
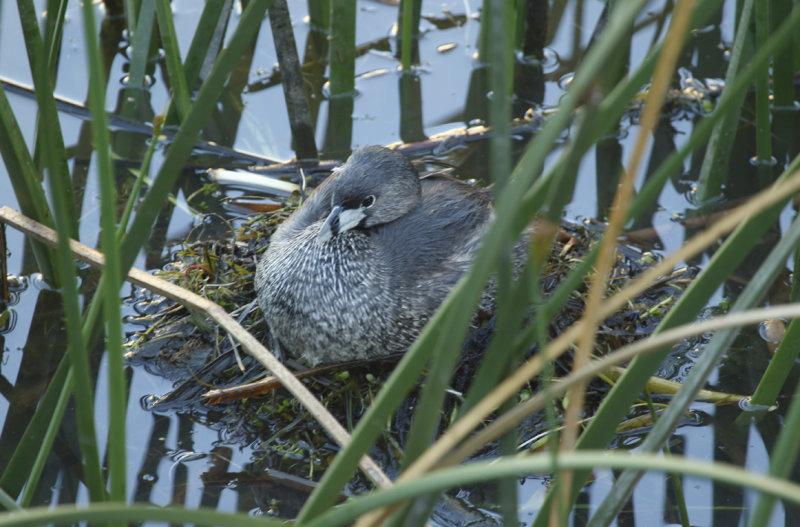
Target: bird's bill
{"type": "Point", "coordinates": [338, 221]}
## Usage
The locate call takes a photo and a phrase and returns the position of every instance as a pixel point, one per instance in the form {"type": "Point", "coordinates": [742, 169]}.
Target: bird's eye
{"type": "Point", "coordinates": [368, 202]}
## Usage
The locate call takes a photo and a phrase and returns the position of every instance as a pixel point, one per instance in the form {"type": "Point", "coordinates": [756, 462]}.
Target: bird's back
{"type": "Point", "coordinates": [429, 249]}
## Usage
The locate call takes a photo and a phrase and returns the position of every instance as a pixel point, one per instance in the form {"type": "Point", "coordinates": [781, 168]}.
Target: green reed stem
{"type": "Point", "coordinates": [779, 368]}
{"type": "Point", "coordinates": [49, 137]}
{"type": "Point", "coordinates": [63, 201]}
{"type": "Point", "coordinates": [112, 283]}
{"type": "Point", "coordinates": [169, 39]}
{"type": "Point", "coordinates": [480, 471]}
{"type": "Point", "coordinates": [140, 42]}
{"type": "Point", "coordinates": [45, 449]}
{"type": "Point", "coordinates": [783, 459]}
{"type": "Point", "coordinates": [407, 33]}
{"type": "Point", "coordinates": [25, 181]}
{"type": "Point", "coordinates": [447, 328]}
{"type": "Point", "coordinates": [343, 48]}
{"type": "Point", "coordinates": [190, 128]}
{"type": "Point", "coordinates": [715, 162]}
{"type": "Point", "coordinates": [763, 128]}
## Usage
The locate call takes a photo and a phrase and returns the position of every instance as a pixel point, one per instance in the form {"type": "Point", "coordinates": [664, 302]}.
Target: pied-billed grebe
{"type": "Point", "coordinates": [360, 267]}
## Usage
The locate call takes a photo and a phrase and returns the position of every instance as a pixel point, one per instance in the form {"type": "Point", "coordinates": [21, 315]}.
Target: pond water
{"type": "Point", "coordinates": [182, 458]}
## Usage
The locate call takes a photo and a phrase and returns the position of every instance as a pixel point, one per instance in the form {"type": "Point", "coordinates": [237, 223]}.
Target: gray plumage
{"type": "Point", "coordinates": [361, 266]}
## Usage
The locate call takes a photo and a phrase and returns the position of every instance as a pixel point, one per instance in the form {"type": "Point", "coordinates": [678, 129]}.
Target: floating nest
{"type": "Point", "coordinates": [184, 347]}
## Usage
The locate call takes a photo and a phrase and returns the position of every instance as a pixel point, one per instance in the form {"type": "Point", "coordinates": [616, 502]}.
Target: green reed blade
{"type": "Point", "coordinates": [616, 403]}
{"type": "Point", "coordinates": [482, 471]}
{"type": "Point", "coordinates": [25, 182]}
{"type": "Point", "coordinates": [408, 33]}
{"type": "Point", "coordinates": [783, 63]}
{"type": "Point", "coordinates": [138, 513]}
{"type": "Point", "coordinates": [54, 24]}
{"type": "Point", "coordinates": [113, 280]}
{"type": "Point", "coordinates": [753, 293]}
{"type": "Point", "coordinates": [447, 328]}
{"type": "Point", "coordinates": [342, 48]}
{"type": "Point", "coordinates": [341, 60]}
{"type": "Point", "coordinates": [779, 368]}
{"type": "Point", "coordinates": [45, 449]}
{"type": "Point", "coordinates": [63, 201]}
{"type": "Point", "coordinates": [169, 39]}
{"type": "Point", "coordinates": [49, 137]}
{"type": "Point", "coordinates": [715, 162]}
{"type": "Point", "coordinates": [131, 9]}
{"type": "Point", "coordinates": [763, 125]}
{"type": "Point", "coordinates": [783, 459]}
{"type": "Point", "coordinates": [140, 42]}
{"type": "Point", "coordinates": [16, 474]}
{"type": "Point", "coordinates": [191, 125]}
{"type": "Point", "coordinates": [208, 36]}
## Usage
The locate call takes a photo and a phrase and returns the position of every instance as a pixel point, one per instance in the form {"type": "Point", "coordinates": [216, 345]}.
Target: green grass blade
{"type": "Point", "coordinates": [408, 33]}
{"type": "Point", "coordinates": [341, 60]}
{"type": "Point", "coordinates": [782, 459]}
{"type": "Point", "coordinates": [722, 264]}
{"type": "Point", "coordinates": [609, 112]}
{"type": "Point", "coordinates": [58, 178]}
{"type": "Point", "coordinates": [169, 39]}
{"type": "Point", "coordinates": [16, 473]}
{"type": "Point", "coordinates": [475, 472]}
{"type": "Point", "coordinates": [101, 514]}
{"type": "Point", "coordinates": [141, 175]}
{"type": "Point", "coordinates": [779, 368]}
{"type": "Point", "coordinates": [131, 8]}
{"type": "Point", "coordinates": [208, 31]}
{"type": "Point", "coordinates": [752, 294]}
{"type": "Point", "coordinates": [18, 161]}
{"type": "Point", "coordinates": [426, 418]}
{"type": "Point", "coordinates": [783, 63]}
{"type": "Point", "coordinates": [763, 125]}
{"type": "Point", "coordinates": [78, 349]}
{"type": "Point", "coordinates": [460, 303]}
{"type": "Point", "coordinates": [319, 14]}
{"type": "Point", "coordinates": [501, 67]}
{"type": "Point", "coordinates": [45, 449]}
{"type": "Point", "coordinates": [49, 136]}
{"type": "Point", "coordinates": [25, 182]}
{"type": "Point", "coordinates": [54, 25]}
{"type": "Point", "coordinates": [7, 502]}
{"type": "Point", "coordinates": [343, 48]}
{"type": "Point", "coordinates": [206, 43]}
{"type": "Point", "coordinates": [617, 102]}
{"type": "Point", "coordinates": [111, 271]}
{"type": "Point", "coordinates": [189, 131]}
{"type": "Point", "coordinates": [412, 128]}
{"type": "Point", "coordinates": [140, 42]}
{"type": "Point", "coordinates": [715, 162]}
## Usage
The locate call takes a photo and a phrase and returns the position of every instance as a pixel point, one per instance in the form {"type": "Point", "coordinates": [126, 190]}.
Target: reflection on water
{"type": "Point", "coordinates": [190, 459]}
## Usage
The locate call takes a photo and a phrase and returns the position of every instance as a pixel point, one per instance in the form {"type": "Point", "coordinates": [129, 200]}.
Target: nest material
{"type": "Point", "coordinates": [183, 347]}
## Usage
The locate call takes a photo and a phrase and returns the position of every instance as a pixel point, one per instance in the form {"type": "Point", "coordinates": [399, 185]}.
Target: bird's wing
{"type": "Point", "coordinates": [434, 245]}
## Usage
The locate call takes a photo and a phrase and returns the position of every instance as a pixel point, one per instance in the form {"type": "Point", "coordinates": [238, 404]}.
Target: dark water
{"type": "Point", "coordinates": [176, 459]}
